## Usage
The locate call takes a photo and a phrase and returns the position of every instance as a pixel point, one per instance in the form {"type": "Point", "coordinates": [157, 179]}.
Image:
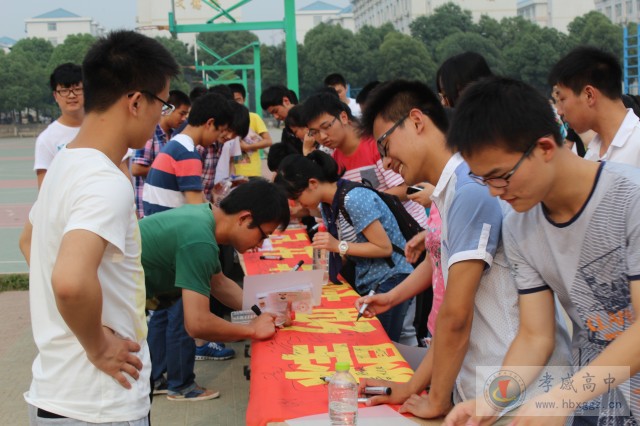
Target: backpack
{"type": "Point", "coordinates": [409, 227]}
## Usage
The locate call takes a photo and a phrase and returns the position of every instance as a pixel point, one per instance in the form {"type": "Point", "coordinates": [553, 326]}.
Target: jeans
{"type": "Point", "coordinates": [393, 319]}
{"type": "Point", "coordinates": [172, 350]}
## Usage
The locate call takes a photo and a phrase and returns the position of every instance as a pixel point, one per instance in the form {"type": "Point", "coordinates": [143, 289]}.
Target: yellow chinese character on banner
{"type": "Point", "coordinates": [180, 3]}
{"type": "Point", "coordinates": [196, 4]}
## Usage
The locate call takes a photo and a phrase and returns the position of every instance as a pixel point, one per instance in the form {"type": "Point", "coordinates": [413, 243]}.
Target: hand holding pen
{"type": "Point", "coordinates": [374, 304]}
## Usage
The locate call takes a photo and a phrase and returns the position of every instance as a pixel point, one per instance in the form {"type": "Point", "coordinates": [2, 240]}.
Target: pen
{"type": "Point", "coordinates": [377, 390]}
{"type": "Point", "coordinates": [362, 400]}
{"type": "Point", "coordinates": [364, 305]}
{"type": "Point", "coordinates": [326, 379]}
{"type": "Point", "coordinates": [256, 310]}
{"type": "Point", "coordinates": [270, 257]}
{"type": "Point", "coordinates": [298, 265]}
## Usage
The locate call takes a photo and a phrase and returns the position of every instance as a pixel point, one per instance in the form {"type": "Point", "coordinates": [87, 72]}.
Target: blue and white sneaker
{"type": "Point", "coordinates": [213, 350]}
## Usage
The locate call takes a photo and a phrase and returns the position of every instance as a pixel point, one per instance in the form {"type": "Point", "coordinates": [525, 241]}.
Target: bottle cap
{"type": "Point", "coordinates": [342, 366]}
{"type": "Point", "coordinates": [322, 228]}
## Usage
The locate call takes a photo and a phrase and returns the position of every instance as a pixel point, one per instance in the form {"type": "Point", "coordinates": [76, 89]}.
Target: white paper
{"type": "Point", "coordinates": [279, 281]}
{"type": "Point", "coordinates": [378, 415]}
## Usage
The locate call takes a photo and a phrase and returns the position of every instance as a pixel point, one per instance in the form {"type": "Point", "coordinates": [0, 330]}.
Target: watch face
{"type": "Point", "coordinates": [343, 247]}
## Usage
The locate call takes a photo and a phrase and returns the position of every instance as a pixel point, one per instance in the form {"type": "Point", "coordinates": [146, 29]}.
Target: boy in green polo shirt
{"type": "Point", "coordinates": [180, 258]}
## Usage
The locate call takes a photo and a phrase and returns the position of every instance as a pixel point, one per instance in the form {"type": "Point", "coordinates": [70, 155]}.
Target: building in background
{"type": "Point", "coordinates": [554, 13]}
{"type": "Point", "coordinates": [619, 11]}
{"type": "Point", "coordinates": [56, 25]}
{"type": "Point", "coordinates": [6, 43]}
{"type": "Point", "coordinates": [400, 13]}
{"type": "Point", "coordinates": [317, 12]}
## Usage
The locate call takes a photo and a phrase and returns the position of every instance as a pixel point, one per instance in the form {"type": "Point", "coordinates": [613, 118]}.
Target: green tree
{"type": "Point", "coordinates": [274, 64]}
{"type": "Point", "coordinates": [462, 42]}
{"type": "Point", "coordinates": [405, 57]}
{"type": "Point", "coordinates": [184, 57]}
{"type": "Point", "coordinates": [28, 76]}
{"type": "Point", "coordinates": [73, 50]}
{"type": "Point", "coordinates": [445, 20]}
{"type": "Point", "coordinates": [372, 38]}
{"type": "Point", "coordinates": [595, 29]}
{"type": "Point", "coordinates": [328, 49]}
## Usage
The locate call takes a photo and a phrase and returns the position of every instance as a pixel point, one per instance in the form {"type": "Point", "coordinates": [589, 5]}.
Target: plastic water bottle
{"type": "Point", "coordinates": [343, 396]}
{"type": "Point", "coordinates": [321, 258]}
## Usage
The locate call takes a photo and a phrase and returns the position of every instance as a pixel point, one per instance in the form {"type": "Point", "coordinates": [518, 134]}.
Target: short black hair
{"type": "Point", "coordinates": [586, 65]}
{"type": "Point", "coordinates": [238, 88]}
{"type": "Point", "coordinates": [501, 112]}
{"type": "Point", "coordinates": [177, 98]}
{"type": "Point", "coordinates": [266, 202]}
{"type": "Point", "coordinates": [394, 99]}
{"type": "Point", "coordinates": [295, 117]}
{"type": "Point", "coordinates": [335, 78]}
{"type": "Point", "coordinates": [222, 90]}
{"type": "Point", "coordinates": [273, 95]}
{"type": "Point", "coordinates": [196, 92]}
{"type": "Point", "coordinates": [366, 90]}
{"type": "Point", "coordinates": [209, 106]}
{"type": "Point", "coordinates": [65, 75]}
{"type": "Point", "coordinates": [457, 72]}
{"type": "Point", "coordinates": [277, 153]}
{"type": "Point", "coordinates": [321, 103]}
{"type": "Point", "coordinates": [123, 62]}
{"type": "Point", "coordinates": [296, 170]}
{"type": "Point", "coordinates": [239, 119]}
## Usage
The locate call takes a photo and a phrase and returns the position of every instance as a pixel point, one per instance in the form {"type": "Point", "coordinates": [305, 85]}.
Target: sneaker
{"type": "Point", "coordinates": [213, 350]}
{"type": "Point", "coordinates": [161, 387]}
{"type": "Point", "coordinates": [197, 394]}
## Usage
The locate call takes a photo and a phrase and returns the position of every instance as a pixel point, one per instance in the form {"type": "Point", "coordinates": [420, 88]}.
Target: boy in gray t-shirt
{"type": "Point", "coordinates": [577, 236]}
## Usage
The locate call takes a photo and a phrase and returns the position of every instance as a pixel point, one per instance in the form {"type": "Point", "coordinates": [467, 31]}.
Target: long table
{"type": "Point", "coordinates": [286, 370]}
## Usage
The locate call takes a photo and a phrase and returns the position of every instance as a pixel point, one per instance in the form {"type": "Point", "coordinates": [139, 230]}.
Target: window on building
{"type": "Point", "coordinates": [618, 10]}
{"type": "Point", "coordinates": [316, 20]}
{"type": "Point", "coordinates": [608, 12]}
{"type": "Point", "coordinates": [53, 41]}
{"type": "Point", "coordinates": [52, 26]}
{"type": "Point", "coordinates": [629, 7]}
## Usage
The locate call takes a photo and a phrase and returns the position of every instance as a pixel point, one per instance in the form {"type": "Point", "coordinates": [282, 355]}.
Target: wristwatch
{"type": "Point", "coordinates": [343, 246]}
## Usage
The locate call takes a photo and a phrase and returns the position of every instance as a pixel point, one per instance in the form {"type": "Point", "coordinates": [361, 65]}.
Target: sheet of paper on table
{"type": "Point", "coordinates": [379, 415]}
{"type": "Point", "coordinates": [269, 283]}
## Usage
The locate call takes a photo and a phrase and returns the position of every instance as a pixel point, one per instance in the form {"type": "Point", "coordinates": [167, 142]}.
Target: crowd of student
{"type": "Point", "coordinates": [519, 233]}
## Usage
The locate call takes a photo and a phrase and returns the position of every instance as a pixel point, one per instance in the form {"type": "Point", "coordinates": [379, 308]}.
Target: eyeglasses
{"type": "Point", "coordinates": [503, 181]}
{"type": "Point", "coordinates": [324, 127]}
{"type": "Point", "coordinates": [167, 108]}
{"type": "Point", "coordinates": [264, 234]}
{"type": "Point", "coordinates": [382, 147]}
{"type": "Point", "coordinates": [65, 92]}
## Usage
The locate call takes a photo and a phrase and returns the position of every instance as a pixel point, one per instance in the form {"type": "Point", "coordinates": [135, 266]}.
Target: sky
{"type": "Point", "coordinates": [113, 14]}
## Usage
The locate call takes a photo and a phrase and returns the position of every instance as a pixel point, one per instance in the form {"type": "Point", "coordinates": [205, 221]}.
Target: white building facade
{"type": "Point", "coordinates": [619, 11]}
{"type": "Point", "coordinates": [400, 13]}
{"type": "Point", "coordinates": [554, 13]}
{"type": "Point", "coordinates": [312, 15]}
{"type": "Point", "coordinates": [56, 25]}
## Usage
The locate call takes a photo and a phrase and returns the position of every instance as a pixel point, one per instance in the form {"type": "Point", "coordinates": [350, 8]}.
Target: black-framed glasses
{"type": "Point", "coordinates": [324, 127]}
{"type": "Point", "coordinates": [167, 108]}
{"type": "Point", "coordinates": [503, 181]}
{"type": "Point", "coordinates": [66, 91]}
{"type": "Point", "coordinates": [264, 234]}
{"type": "Point", "coordinates": [382, 147]}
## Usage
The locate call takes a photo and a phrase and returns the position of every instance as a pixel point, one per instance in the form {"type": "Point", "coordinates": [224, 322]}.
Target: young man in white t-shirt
{"type": "Point", "coordinates": [589, 97]}
{"type": "Point", "coordinates": [575, 239]}
{"type": "Point", "coordinates": [66, 85]}
{"type": "Point", "coordinates": [479, 315]}
{"type": "Point", "coordinates": [339, 84]}
{"type": "Point", "coordinates": [82, 243]}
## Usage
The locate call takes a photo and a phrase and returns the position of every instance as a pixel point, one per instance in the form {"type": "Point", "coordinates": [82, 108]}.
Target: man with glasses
{"type": "Point", "coordinates": [574, 239]}
{"type": "Point", "coordinates": [478, 317]}
{"type": "Point", "coordinates": [180, 255]}
{"type": "Point", "coordinates": [66, 85]}
{"type": "Point", "coordinates": [82, 242]}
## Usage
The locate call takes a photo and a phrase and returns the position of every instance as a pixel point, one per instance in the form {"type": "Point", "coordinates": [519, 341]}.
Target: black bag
{"type": "Point", "coordinates": [409, 227]}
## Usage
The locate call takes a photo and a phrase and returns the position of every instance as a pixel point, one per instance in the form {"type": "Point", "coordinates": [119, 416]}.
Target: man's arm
{"type": "Point", "coordinates": [227, 291]}
{"type": "Point", "coordinates": [25, 241]}
{"type": "Point", "coordinates": [453, 329]}
{"type": "Point", "coordinates": [139, 170]}
{"type": "Point", "coordinates": [78, 295]}
{"type": "Point", "coordinates": [266, 142]}
{"type": "Point", "coordinates": [200, 323]}
{"type": "Point", "coordinates": [40, 173]}
{"type": "Point", "coordinates": [399, 191]}
{"type": "Point", "coordinates": [194, 197]}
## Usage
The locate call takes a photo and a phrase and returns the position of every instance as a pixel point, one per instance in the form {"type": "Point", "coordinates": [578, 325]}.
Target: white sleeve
{"type": "Point", "coordinates": [44, 152]}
